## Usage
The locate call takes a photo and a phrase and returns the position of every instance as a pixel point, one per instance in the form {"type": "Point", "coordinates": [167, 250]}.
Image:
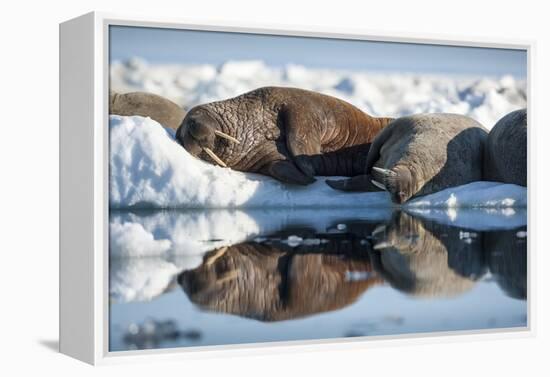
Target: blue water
{"type": "Point", "coordinates": [359, 277]}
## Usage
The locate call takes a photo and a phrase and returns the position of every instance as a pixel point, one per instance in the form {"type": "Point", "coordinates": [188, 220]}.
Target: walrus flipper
{"type": "Point", "coordinates": [357, 183]}
{"type": "Point", "coordinates": [287, 172]}
{"type": "Point", "coordinates": [302, 138]}
{"type": "Point", "coordinates": [374, 151]}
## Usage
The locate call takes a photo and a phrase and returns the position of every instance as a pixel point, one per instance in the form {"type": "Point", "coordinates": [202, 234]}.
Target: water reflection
{"type": "Point", "coordinates": [200, 272]}
{"type": "Point", "coordinates": [423, 258]}
{"type": "Point", "coordinates": [273, 281]}
{"type": "Point", "coordinates": [298, 272]}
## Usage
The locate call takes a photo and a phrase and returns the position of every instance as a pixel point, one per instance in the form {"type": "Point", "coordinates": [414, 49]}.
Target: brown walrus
{"type": "Point", "coordinates": [149, 105]}
{"type": "Point", "coordinates": [274, 282]}
{"type": "Point", "coordinates": [421, 154]}
{"type": "Point", "coordinates": [287, 133]}
{"type": "Point", "coordinates": [506, 151]}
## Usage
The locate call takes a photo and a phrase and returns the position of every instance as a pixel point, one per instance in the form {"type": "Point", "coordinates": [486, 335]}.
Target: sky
{"type": "Point", "coordinates": [159, 45]}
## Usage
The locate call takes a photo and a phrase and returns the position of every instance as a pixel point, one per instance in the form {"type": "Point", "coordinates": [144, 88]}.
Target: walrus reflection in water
{"type": "Point", "coordinates": [427, 259]}
{"type": "Point", "coordinates": [277, 282]}
{"type": "Point", "coordinates": [507, 260]}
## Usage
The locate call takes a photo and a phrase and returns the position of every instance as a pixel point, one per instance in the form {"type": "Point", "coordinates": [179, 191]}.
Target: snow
{"type": "Point", "coordinates": [474, 195]}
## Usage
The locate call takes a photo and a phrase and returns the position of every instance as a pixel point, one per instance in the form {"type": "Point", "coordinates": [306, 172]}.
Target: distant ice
{"type": "Point", "coordinates": [485, 99]}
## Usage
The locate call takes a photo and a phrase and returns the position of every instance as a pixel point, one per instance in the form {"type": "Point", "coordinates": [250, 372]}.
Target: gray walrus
{"type": "Point", "coordinates": [421, 154]}
{"type": "Point", "coordinates": [506, 151]}
{"type": "Point", "coordinates": [287, 133]}
{"type": "Point", "coordinates": [426, 259]}
{"type": "Point", "coordinates": [149, 105]}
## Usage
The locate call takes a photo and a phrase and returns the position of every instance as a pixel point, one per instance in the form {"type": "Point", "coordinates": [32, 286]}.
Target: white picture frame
{"type": "Point", "coordinates": [84, 203]}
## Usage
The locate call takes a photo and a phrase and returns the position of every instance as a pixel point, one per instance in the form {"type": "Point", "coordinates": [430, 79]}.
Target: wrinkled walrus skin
{"type": "Point", "coordinates": [421, 154]}
{"type": "Point", "coordinates": [149, 105]}
{"type": "Point", "coordinates": [287, 133]}
{"type": "Point", "coordinates": [506, 152]}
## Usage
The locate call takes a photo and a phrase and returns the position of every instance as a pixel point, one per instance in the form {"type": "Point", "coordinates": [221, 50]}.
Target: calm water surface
{"type": "Point", "coordinates": [200, 278]}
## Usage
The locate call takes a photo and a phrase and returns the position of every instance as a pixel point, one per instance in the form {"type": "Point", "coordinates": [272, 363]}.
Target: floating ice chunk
{"type": "Point", "coordinates": [294, 241]}
{"type": "Point", "coordinates": [312, 241]}
{"type": "Point", "coordinates": [463, 235]}
{"type": "Point", "coordinates": [521, 234]}
{"type": "Point", "coordinates": [357, 275]}
{"type": "Point", "coordinates": [474, 195]}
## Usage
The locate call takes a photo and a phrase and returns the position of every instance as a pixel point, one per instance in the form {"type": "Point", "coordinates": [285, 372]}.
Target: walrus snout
{"type": "Point", "coordinates": [397, 181]}
{"type": "Point", "coordinates": [197, 132]}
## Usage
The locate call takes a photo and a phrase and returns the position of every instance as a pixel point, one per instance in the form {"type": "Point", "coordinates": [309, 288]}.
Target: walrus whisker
{"type": "Point", "coordinates": [386, 172]}
{"type": "Point", "coordinates": [382, 245]}
{"type": "Point", "coordinates": [214, 157]}
{"type": "Point", "coordinates": [379, 185]}
{"type": "Point", "coordinates": [217, 254]}
{"type": "Point", "coordinates": [227, 137]}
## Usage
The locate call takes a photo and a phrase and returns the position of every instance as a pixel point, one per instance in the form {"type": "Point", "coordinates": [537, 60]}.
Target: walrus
{"type": "Point", "coordinates": [506, 151]}
{"type": "Point", "coordinates": [158, 108]}
{"type": "Point", "coordinates": [426, 259]}
{"type": "Point", "coordinates": [421, 154]}
{"type": "Point", "coordinates": [287, 133]}
{"type": "Point", "coordinates": [507, 260]}
{"type": "Point", "coordinates": [274, 282]}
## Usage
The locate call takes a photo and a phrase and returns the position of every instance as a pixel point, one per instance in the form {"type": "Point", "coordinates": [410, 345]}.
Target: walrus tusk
{"type": "Point", "coordinates": [214, 157]}
{"type": "Point", "coordinates": [221, 251]}
{"type": "Point", "coordinates": [379, 229]}
{"type": "Point", "coordinates": [386, 172]}
{"type": "Point", "coordinates": [379, 185]}
{"type": "Point", "coordinates": [382, 245]}
{"type": "Point", "coordinates": [230, 275]}
{"type": "Point", "coordinates": [227, 137]}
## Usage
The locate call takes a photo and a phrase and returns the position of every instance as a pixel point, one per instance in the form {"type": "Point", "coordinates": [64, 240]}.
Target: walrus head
{"type": "Point", "coordinates": [398, 181]}
{"type": "Point", "coordinates": [198, 131]}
